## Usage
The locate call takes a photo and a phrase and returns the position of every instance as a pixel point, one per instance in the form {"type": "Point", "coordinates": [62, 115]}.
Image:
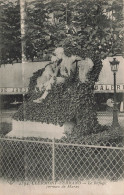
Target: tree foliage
{"type": "Point", "coordinates": [87, 28]}
{"type": "Point", "coordinates": [10, 35]}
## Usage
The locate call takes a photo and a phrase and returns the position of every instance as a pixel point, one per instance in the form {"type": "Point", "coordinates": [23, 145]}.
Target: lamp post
{"type": "Point", "coordinates": [114, 68]}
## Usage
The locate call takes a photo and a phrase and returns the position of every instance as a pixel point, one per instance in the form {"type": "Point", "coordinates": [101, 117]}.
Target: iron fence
{"type": "Point", "coordinates": [28, 160]}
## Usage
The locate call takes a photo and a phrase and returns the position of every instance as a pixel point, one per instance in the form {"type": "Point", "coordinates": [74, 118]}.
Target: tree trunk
{"type": "Point", "coordinates": [0, 34]}
{"type": "Point", "coordinates": [23, 29]}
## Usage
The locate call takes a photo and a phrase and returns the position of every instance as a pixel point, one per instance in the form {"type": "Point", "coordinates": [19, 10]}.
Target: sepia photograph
{"type": "Point", "coordinates": [61, 97]}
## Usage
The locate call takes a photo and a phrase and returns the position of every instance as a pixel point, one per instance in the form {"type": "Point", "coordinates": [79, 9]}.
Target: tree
{"type": "Point", "coordinates": [23, 28]}
{"type": "Point", "coordinates": [37, 32]}
{"type": "Point", "coordinates": [10, 43]}
{"type": "Point", "coordinates": [87, 28]}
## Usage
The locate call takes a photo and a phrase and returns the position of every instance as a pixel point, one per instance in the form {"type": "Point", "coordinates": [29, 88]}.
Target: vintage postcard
{"type": "Point", "coordinates": [61, 97]}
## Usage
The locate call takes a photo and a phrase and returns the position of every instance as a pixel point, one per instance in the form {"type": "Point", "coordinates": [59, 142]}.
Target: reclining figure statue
{"type": "Point", "coordinates": [61, 68]}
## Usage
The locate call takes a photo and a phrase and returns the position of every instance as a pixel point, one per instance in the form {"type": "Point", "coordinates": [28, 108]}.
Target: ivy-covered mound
{"type": "Point", "coordinates": [71, 101]}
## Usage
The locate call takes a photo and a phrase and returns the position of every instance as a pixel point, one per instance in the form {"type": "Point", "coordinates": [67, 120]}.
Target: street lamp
{"type": "Point", "coordinates": [114, 68]}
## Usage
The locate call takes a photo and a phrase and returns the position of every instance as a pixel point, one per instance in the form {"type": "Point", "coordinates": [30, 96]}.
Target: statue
{"type": "Point", "coordinates": [61, 68]}
{"type": "Point", "coordinates": [59, 97]}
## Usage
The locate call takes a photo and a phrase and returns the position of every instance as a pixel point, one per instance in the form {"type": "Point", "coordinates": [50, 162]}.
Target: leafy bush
{"type": "Point", "coordinates": [70, 101]}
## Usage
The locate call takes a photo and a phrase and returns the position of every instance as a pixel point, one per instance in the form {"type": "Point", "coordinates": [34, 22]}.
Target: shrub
{"type": "Point", "coordinates": [70, 101]}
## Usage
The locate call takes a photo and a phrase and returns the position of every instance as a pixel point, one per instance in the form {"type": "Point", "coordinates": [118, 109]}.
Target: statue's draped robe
{"type": "Point", "coordinates": [65, 68]}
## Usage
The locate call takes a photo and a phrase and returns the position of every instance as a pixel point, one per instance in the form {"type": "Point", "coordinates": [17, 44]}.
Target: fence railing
{"type": "Point", "coordinates": [28, 160]}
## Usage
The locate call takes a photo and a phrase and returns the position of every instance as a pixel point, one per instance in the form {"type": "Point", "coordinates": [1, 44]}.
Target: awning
{"type": "Point", "coordinates": [14, 79]}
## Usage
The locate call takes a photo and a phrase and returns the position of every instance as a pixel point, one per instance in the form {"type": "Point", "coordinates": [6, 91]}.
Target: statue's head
{"type": "Point", "coordinates": [58, 54]}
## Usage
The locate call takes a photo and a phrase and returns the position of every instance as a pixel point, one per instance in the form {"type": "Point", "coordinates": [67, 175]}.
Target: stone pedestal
{"type": "Point", "coordinates": [35, 129]}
